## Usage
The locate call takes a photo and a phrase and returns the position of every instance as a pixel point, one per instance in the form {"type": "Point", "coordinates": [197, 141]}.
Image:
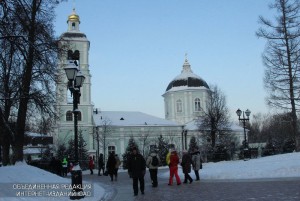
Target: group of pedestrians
{"type": "Point", "coordinates": [112, 166]}
{"type": "Point", "coordinates": [137, 167]}
{"type": "Point", "coordinates": [188, 161]}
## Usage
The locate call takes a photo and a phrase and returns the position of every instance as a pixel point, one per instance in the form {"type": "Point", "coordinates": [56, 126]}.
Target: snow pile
{"type": "Point", "coordinates": [278, 166]}
{"type": "Point", "coordinates": [22, 175]}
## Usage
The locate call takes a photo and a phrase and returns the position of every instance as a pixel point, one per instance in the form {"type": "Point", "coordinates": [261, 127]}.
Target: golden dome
{"type": "Point", "coordinates": [73, 16]}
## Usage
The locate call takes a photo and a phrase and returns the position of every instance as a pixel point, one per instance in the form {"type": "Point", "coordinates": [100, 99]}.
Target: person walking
{"type": "Point", "coordinates": [100, 165]}
{"type": "Point", "coordinates": [64, 167]}
{"type": "Point", "coordinates": [137, 171]}
{"type": "Point", "coordinates": [56, 166]}
{"type": "Point", "coordinates": [111, 165]}
{"type": "Point", "coordinates": [118, 163]}
{"type": "Point", "coordinates": [186, 166]}
{"type": "Point", "coordinates": [153, 162]}
{"type": "Point", "coordinates": [196, 158]}
{"type": "Point", "coordinates": [173, 166]}
{"type": "Point", "coordinates": [91, 165]}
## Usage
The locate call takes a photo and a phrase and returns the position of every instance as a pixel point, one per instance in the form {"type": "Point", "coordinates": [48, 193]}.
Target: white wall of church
{"type": "Point", "coordinates": [120, 136]}
{"type": "Point", "coordinates": [188, 110]}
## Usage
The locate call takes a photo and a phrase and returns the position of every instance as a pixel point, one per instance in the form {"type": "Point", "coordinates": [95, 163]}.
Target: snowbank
{"type": "Point", "coordinates": [13, 180]}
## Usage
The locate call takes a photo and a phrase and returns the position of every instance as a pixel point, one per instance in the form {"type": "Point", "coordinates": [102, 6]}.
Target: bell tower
{"type": "Point", "coordinates": [75, 46]}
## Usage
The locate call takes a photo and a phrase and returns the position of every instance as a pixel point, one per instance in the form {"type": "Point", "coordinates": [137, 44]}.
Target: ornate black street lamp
{"type": "Point", "coordinates": [244, 120]}
{"type": "Point", "coordinates": [76, 79]}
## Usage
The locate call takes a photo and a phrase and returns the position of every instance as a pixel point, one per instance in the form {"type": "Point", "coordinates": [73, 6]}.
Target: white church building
{"type": "Point", "coordinates": [184, 99]}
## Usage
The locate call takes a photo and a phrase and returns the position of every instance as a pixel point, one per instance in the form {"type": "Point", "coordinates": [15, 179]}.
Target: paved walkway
{"type": "Point", "coordinates": [205, 190]}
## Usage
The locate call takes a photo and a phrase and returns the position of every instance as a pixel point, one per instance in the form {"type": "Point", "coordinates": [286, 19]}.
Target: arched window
{"type": "Point", "coordinates": [73, 57]}
{"type": "Point", "coordinates": [79, 116]}
{"type": "Point", "coordinates": [76, 55]}
{"type": "Point", "coordinates": [197, 105]}
{"type": "Point", "coordinates": [73, 26]}
{"type": "Point", "coordinates": [69, 116]}
{"type": "Point", "coordinates": [179, 105]}
{"type": "Point", "coordinates": [70, 54]}
{"type": "Point", "coordinates": [111, 149]}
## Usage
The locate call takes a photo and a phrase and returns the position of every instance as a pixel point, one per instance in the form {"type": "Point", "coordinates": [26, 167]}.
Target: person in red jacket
{"type": "Point", "coordinates": [91, 164]}
{"type": "Point", "coordinates": [174, 161]}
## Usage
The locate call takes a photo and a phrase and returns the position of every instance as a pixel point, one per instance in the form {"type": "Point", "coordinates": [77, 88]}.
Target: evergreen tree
{"type": "Point", "coordinates": [83, 155]}
{"type": "Point", "coordinates": [61, 151]}
{"type": "Point", "coordinates": [162, 149]}
{"type": "Point", "coordinates": [126, 155]}
{"type": "Point", "coordinates": [71, 150]}
{"type": "Point", "coordinates": [193, 144]}
{"type": "Point", "coordinates": [47, 153]}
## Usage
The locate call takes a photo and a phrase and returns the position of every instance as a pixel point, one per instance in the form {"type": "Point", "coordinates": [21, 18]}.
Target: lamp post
{"type": "Point", "coordinates": [76, 79]}
{"type": "Point", "coordinates": [244, 120]}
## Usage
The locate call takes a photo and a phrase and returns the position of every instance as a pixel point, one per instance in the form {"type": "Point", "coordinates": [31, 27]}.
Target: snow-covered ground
{"type": "Point", "coordinates": [278, 166]}
{"type": "Point", "coordinates": [12, 178]}
{"type": "Point", "coordinates": [18, 183]}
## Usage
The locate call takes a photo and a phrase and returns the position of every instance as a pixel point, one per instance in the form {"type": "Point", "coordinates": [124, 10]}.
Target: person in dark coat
{"type": "Point", "coordinates": [137, 170]}
{"type": "Point", "coordinates": [186, 166]}
{"type": "Point", "coordinates": [118, 163]}
{"type": "Point", "coordinates": [56, 166]}
{"type": "Point", "coordinates": [111, 165]}
{"type": "Point", "coordinates": [100, 165]}
{"type": "Point", "coordinates": [52, 165]}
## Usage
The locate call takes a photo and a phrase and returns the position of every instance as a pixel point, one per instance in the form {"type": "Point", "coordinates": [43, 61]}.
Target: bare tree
{"type": "Point", "coordinates": [277, 130]}
{"type": "Point", "coordinates": [145, 139]}
{"type": "Point", "coordinates": [258, 123]}
{"type": "Point", "coordinates": [102, 133]}
{"type": "Point", "coordinates": [27, 29]}
{"type": "Point", "coordinates": [10, 62]}
{"type": "Point", "coordinates": [216, 117]}
{"type": "Point", "coordinates": [170, 137]}
{"type": "Point", "coordinates": [281, 57]}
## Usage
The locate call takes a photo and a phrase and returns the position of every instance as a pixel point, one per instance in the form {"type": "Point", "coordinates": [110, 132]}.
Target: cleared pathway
{"type": "Point", "coordinates": [230, 190]}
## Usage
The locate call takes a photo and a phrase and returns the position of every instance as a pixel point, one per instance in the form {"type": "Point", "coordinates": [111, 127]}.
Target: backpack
{"type": "Point", "coordinates": [154, 161]}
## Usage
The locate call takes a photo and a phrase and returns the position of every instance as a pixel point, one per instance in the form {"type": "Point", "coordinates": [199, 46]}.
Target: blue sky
{"type": "Point", "coordinates": [139, 46]}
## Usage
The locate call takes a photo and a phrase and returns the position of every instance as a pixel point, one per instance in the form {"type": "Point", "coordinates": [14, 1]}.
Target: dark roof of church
{"type": "Point", "coordinates": [189, 82]}
{"type": "Point", "coordinates": [186, 79]}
